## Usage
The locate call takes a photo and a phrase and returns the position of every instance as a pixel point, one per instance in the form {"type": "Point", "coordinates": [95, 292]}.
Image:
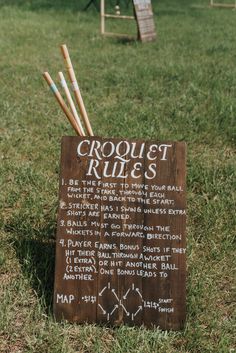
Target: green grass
{"type": "Point", "coordinates": [181, 87]}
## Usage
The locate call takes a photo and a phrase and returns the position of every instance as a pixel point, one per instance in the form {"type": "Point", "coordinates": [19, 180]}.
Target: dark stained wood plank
{"type": "Point", "coordinates": [109, 309]}
{"type": "Point", "coordinates": [121, 232]}
{"type": "Point", "coordinates": [133, 242]}
{"type": "Point", "coordinates": [145, 21]}
{"type": "Point", "coordinates": [168, 219]}
{"type": "Point", "coordinates": [76, 265]}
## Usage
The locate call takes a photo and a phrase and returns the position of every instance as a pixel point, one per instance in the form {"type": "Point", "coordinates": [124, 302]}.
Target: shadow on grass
{"type": "Point", "coordinates": [126, 40]}
{"type": "Point", "coordinates": [36, 256]}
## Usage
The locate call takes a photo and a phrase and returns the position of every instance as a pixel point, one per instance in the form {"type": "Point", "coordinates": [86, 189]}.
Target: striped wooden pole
{"type": "Point", "coordinates": [76, 89]}
{"type": "Point", "coordinates": [70, 101]}
{"type": "Point", "coordinates": [62, 103]}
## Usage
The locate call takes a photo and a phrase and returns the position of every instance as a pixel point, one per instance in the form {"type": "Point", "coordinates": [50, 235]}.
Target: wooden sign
{"type": "Point", "coordinates": [145, 21]}
{"type": "Point", "coordinates": [120, 250]}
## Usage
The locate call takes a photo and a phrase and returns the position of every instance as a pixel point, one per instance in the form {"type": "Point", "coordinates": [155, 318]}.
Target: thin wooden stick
{"type": "Point", "coordinates": [61, 102]}
{"type": "Point", "coordinates": [70, 101]}
{"type": "Point", "coordinates": [76, 89]}
{"type": "Point", "coordinates": [230, 6]}
{"type": "Point", "coordinates": [119, 17]}
{"type": "Point", "coordinates": [102, 12]}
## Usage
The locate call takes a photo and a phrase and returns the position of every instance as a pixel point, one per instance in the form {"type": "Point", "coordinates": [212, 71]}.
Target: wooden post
{"type": "Point", "coordinates": [102, 11]}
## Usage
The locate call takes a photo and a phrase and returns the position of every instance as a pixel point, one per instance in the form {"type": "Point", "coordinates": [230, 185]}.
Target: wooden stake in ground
{"type": "Point", "coordinates": [70, 101]}
{"type": "Point", "coordinates": [62, 103]}
{"type": "Point", "coordinates": [76, 89]}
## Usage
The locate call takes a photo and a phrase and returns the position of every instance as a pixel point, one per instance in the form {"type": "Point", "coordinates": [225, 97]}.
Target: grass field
{"type": "Point", "coordinates": [181, 87]}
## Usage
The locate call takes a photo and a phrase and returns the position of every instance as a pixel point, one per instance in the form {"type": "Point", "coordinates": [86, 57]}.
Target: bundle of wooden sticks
{"type": "Point", "coordinates": [71, 113]}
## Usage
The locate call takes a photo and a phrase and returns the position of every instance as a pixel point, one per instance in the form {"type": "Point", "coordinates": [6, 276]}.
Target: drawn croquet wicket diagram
{"type": "Point", "coordinates": [121, 302]}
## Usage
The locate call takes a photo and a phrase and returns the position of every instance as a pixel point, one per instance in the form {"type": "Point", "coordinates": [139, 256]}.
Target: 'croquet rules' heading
{"type": "Point", "coordinates": [121, 247]}
{"type": "Point", "coordinates": [122, 159]}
